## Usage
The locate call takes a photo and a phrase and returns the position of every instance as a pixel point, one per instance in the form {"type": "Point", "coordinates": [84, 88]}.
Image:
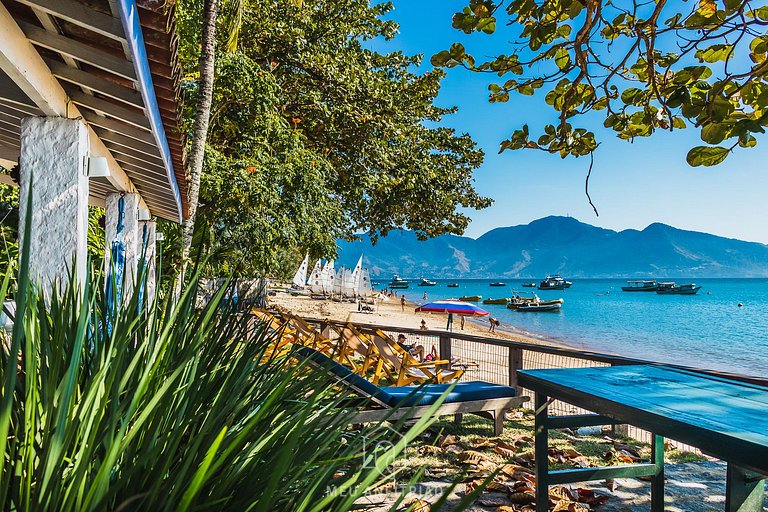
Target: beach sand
{"type": "Point", "coordinates": [391, 313]}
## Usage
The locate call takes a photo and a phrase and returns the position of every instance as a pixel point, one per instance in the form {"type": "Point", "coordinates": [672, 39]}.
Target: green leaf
{"type": "Point", "coordinates": [715, 53]}
{"type": "Point", "coordinates": [706, 156]}
{"type": "Point", "coordinates": [715, 133]}
{"type": "Point", "coordinates": [562, 59]}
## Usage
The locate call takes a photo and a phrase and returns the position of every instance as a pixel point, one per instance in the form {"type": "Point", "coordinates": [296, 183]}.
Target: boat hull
{"type": "Point", "coordinates": [540, 308]}
{"type": "Point", "coordinates": [453, 285]}
{"type": "Point", "coordinates": [552, 287]}
{"type": "Point", "coordinates": [673, 291]}
{"type": "Point", "coordinates": [529, 285]}
{"type": "Point", "coordinates": [496, 301]}
{"type": "Point", "coordinates": [471, 298]}
{"type": "Point", "coordinates": [640, 289]}
{"type": "Point", "coordinates": [498, 284]}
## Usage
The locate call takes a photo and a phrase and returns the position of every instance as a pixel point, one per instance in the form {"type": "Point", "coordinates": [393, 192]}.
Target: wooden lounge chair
{"type": "Point", "coordinates": [410, 402]}
{"type": "Point", "coordinates": [404, 369]}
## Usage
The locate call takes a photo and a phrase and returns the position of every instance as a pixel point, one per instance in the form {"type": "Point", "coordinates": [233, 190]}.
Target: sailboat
{"type": "Point", "coordinates": [356, 275]}
{"type": "Point", "coordinates": [300, 278]}
{"type": "Point", "coordinates": [365, 290]}
{"type": "Point", "coordinates": [328, 277]}
{"type": "Point", "coordinates": [315, 282]}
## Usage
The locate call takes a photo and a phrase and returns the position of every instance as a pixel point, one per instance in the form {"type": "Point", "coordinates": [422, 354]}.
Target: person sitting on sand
{"type": "Point", "coordinates": [423, 326]}
{"type": "Point", "coordinates": [411, 348]}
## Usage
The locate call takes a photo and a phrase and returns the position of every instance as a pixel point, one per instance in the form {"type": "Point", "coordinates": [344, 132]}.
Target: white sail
{"type": "Point", "coordinates": [338, 281]}
{"type": "Point", "coordinates": [300, 279]}
{"type": "Point", "coordinates": [329, 276]}
{"type": "Point", "coordinates": [365, 289]}
{"type": "Point", "coordinates": [348, 284]}
{"type": "Point", "coordinates": [315, 282]}
{"type": "Point", "coordinates": [356, 274]}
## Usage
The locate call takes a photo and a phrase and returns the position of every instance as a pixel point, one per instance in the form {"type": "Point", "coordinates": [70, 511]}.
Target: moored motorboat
{"type": "Point", "coordinates": [426, 282]}
{"type": "Point", "coordinates": [398, 283]}
{"type": "Point", "coordinates": [516, 302]}
{"type": "Point", "coordinates": [499, 284]}
{"type": "Point", "coordinates": [471, 298]}
{"type": "Point", "coordinates": [453, 285]}
{"type": "Point", "coordinates": [503, 301]}
{"type": "Point", "coordinates": [529, 285]}
{"type": "Point", "coordinates": [671, 288]}
{"type": "Point", "coordinates": [641, 286]}
{"type": "Point", "coordinates": [554, 282]}
{"type": "Point", "coordinates": [539, 308]}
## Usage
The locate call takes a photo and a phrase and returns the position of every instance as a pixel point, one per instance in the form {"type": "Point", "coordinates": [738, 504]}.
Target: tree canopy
{"type": "Point", "coordinates": [641, 66]}
{"type": "Point", "coordinates": [316, 136]}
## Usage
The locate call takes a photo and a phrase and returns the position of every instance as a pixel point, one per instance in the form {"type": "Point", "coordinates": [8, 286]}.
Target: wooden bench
{"type": "Point", "coordinates": [724, 418]}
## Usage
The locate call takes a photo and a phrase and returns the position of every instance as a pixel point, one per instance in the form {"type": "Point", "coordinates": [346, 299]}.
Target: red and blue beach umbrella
{"type": "Point", "coordinates": [456, 307]}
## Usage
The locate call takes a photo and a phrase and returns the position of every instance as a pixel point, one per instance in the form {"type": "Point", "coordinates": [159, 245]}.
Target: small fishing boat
{"type": "Point", "coordinates": [539, 308]}
{"type": "Point", "coordinates": [529, 285]}
{"type": "Point", "coordinates": [503, 301]}
{"type": "Point", "coordinates": [471, 298]}
{"type": "Point", "coordinates": [554, 282]}
{"type": "Point", "coordinates": [517, 302]}
{"type": "Point", "coordinates": [426, 282]}
{"type": "Point", "coordinates": [499, 284]}
{"type": "Point", "coordinates": [641, 286]}
{"type": "Point", "coordinates": [671, 288]}
{"type": "Point", "coordinates": [453, 285]}
{"type": "Point", "coordinates": [397, 283]}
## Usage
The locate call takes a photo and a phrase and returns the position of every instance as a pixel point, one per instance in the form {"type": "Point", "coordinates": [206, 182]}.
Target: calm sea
{"type": "Point", "coordinates": [707, 330]}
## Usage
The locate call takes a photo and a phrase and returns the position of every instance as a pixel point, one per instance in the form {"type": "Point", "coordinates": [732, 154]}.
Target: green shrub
{"type": "Point", "coordinates": [167, 407]}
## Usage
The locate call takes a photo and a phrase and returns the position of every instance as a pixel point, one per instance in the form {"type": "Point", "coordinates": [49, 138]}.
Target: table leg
{"type": "Point", "coordinates": [743, 490]}
{"type": "Point", "coordinates": [657, 480]}
{"type": "Point", "coordinates": [541, 452]}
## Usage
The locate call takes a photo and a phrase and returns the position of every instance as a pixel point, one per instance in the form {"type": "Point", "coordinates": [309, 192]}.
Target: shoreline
{"type": "Point", "coordinates": [391, 313]}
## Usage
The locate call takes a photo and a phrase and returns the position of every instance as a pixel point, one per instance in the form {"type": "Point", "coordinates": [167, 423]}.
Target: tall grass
{"type": "Point", "coordinates": [167, 407]}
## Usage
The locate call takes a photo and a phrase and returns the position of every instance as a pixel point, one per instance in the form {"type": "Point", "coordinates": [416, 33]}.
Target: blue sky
{"type": "Point", "coordinates": [632, 184]}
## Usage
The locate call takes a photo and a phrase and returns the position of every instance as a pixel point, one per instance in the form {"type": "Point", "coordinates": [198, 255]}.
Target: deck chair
{"type": "Point", "coordinates": [404, 369]}
{"type": "Point", "coordinates": [411, 402]}
{"type": "Point", "coordinates": [286, 335]}
{"type": "Point", "coordinates": [358, 349]}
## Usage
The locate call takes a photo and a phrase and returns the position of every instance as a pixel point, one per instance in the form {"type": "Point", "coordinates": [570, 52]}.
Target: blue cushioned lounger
{"type": "Point", "coordinates": [483, 398]}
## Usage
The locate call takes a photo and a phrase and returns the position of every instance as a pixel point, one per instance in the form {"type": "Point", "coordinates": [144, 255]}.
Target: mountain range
{"type": "Point", "coordinates": [560, 245]}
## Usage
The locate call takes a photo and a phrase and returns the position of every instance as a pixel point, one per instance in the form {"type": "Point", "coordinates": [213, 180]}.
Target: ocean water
{"type": "Point", "coordinates": [707, 330]}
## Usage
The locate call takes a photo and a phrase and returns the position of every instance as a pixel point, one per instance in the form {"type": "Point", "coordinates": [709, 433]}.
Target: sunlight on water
{"type": "Point", "coordinates": [705, 330]}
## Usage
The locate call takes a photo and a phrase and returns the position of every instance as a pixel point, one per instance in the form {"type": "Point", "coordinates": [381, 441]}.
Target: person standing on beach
{"type": "Point", "coordinates": [449, 327]}
{"type": "Point", "coordinates": [462, 322]}
{"type": "Point", "coordinates": [402, 302]}
{"type": "Point", "coordinates": [425, 296]}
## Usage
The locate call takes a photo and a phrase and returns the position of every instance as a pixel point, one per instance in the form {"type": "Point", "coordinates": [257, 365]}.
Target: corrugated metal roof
{"type": "Point", "coordinates": [84, 43]}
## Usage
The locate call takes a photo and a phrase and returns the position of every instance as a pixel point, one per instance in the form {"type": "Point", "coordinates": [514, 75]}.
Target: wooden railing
{"type": "Point", "coordinates": [500, 359]}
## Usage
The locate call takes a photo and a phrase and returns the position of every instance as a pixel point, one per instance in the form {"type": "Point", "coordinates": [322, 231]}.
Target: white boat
{"type": "Point", "coordinates": [315, 282]}
{"type": "Point", "coordinates": [328, 277]}
{"type": "Point", "coordinates": [365, 290]}
{"type": "Point", "coordinates": [357, 275]}
{"type": "Point", "coordinates": [348, 283]}
{"type": "Point", "coordinates": [300, 278]}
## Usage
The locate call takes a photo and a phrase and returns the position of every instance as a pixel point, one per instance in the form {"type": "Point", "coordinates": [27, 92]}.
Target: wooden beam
{"type": "Point", "coordinates": [82, 52]}
{"type": "Point", "coordinates": [95, 83]}
{"type": "Point", "coordinates": [110, 109]}
{"type": "Point", "coordinates": [24, 66]}
{"type": "Point", "coordinates": [81, 15]}
{"type": "Point", "coordinates": [119, 149]}
{"type": "Point", "coordinates": [142, 147]}
{"type": "Point", "coordinates": [117, 126]}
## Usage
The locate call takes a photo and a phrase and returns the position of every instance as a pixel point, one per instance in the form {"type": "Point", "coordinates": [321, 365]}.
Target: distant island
{"type": "Point", "coordinates": [561, 245]}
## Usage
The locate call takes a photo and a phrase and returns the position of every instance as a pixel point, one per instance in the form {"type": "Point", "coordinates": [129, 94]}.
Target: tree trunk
{"type": "Point", "coordinates": [200, 130]}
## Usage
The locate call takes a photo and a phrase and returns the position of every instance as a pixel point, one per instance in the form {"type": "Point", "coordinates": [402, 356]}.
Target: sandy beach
{"type": "Point", "coordinates": [391, 313]}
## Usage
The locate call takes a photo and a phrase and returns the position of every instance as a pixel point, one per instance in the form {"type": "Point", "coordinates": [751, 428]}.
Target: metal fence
{"type": "Point", "coordinates": [497, 361]}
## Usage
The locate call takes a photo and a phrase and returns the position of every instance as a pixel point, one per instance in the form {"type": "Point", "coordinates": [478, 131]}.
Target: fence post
{"type": "Point", "coordinates": [445, 346]}
{"type": "Point", "coordinates": [514, 362]}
